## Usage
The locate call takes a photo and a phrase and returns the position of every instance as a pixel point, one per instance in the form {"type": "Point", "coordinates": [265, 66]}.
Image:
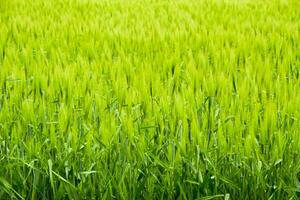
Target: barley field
{"type": "Point", "coordinates": [150, 99]}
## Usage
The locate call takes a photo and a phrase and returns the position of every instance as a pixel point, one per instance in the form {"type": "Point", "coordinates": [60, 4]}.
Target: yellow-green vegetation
{"type": "Point", "coordinates": [149, 99]}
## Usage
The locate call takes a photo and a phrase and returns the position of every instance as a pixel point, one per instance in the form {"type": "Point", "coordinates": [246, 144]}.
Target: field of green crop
{"type": "Point", "coordinates": [150, 99]}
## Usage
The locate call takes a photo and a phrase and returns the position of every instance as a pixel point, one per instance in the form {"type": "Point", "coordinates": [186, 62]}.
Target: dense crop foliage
{"type": "Point", "coordinates": [132, 99]}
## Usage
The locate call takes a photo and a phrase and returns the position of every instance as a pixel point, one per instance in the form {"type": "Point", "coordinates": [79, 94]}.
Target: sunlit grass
{"type": "Point", "coordinates": [149, 99]}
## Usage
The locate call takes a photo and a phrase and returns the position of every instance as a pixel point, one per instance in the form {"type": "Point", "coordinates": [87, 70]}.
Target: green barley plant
{"type": "Point", "coordinates": [150, 99]}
